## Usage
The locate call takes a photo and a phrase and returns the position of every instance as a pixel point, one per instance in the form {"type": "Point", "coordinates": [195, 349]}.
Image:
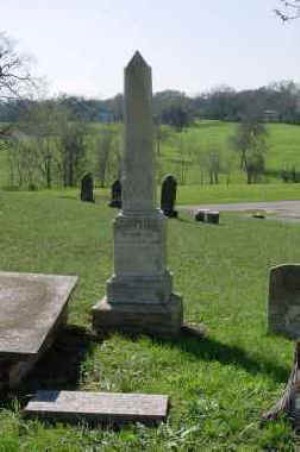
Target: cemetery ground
{"type": "Point", "coordinates": [219, 384]}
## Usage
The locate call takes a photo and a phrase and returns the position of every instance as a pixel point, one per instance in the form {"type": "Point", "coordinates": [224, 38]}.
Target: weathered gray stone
{"type": "Point", "coordinates": [213, 217]}
{"type": "Point", "coordinates": [284, 300]}
{"type": "Point", "coordinates": [32, 308]}
{"type": "Point", "coordinates": [138, 181]}
{"type": "Point", "coordinates": [96, 406]}
{"type": "Point", "coordinates": [201, 215]}
{"type": "Point", "coordinates": [116, 195]}
{"type": "Point", "coordinates": [168, 196]}
{"type": "Point", "coordinates": [87, 188]}
{"type": "Point", "coordinates": [141, 286]}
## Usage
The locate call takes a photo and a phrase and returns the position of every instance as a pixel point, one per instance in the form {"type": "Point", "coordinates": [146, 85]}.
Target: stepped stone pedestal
{"type": "Point", "coordinates": [139, 295]}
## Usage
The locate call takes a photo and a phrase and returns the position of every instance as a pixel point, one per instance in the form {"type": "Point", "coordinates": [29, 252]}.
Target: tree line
{"type": "Point", "coordinates": [277, 102]}
{"type": "Point", "coordinates": [55, 141]}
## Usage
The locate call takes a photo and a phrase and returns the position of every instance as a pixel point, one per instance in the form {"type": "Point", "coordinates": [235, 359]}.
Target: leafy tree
{"type": "Point", "coordinates": [250, 144]}
{"type": "Point", "coordinates": [72, 148]}
{"type": "Point", "coordinates": [172, 108]}
{"type": "Point", "coordinates": [108, 155]}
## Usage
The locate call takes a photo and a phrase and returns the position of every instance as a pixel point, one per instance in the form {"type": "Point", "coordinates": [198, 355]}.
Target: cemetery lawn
{"type": "Point", "coordinates": [219, 385]}
{"type": "Point", "coordinates": [201, 194]}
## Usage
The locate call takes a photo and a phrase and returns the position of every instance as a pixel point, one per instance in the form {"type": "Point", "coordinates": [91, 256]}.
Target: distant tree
{"type": "Point", "coordinates": [72, 148]}
{"type": "Point", "coordinates": [115, 107]}
{"type": "Point", "coordinates": [214, 165]}
{"type": "Point", "coordinates": [108, 156]}
{"type": "Point", "coordinates": [289, 10]}
{"type": "Point", "coordinates": [172, 108]}
{"type": "Point", "coordinates": [176, 116]}
{"type": "Point", "coordinates": [250, 144]}
{"type": "Point", "coordinates": [41, 122]}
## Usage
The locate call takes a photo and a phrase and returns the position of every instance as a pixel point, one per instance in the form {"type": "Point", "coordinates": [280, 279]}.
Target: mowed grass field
{"type": "Point", "coordinates": [183, 154]}
{"type": "Point", "coordinates": [192, 144]}
{"type": "Point", "coordinates": [219, 385]}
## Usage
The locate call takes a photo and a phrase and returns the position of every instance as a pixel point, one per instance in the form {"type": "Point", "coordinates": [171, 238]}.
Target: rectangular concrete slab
{"type": "Point", "coordinates": [98, 406]}
{"type": "Point", "coordinates": [30, 307]}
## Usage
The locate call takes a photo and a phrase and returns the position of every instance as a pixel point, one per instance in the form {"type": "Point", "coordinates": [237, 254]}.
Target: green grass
{"type": "Point", "coordinates": [201, 194]}
{"type": "Point", "coordinates": [218, 386]}
{"type": "Point", "coordinates": [283, 150]}
{"type": "Point", "coordinates": [191, 144]}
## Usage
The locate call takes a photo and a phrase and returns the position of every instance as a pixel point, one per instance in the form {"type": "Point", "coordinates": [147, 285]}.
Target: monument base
{"type": "Point", "coordinates": [163, 320]}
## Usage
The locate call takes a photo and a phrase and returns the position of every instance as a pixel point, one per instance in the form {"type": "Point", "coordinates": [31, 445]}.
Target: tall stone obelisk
{"type": "Point", "coordinates": [139, 294]}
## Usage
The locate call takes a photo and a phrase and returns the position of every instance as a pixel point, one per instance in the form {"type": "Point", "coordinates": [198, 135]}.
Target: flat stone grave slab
{"type": "Point", "coordinates": [74, 406]}
{"type": "Point", "coordinates": [32, 307]}
{"type": "Point", "coordinates": [284, 300]}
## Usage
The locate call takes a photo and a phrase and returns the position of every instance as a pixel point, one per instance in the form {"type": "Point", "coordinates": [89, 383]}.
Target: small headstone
{"type": "Point", "coordinates": [98, 407]}
{"type": "Point", "coordinates": [259, 215]}
{"type": "Point", "coordinates": [87, 188]}
{"type": "Point", "coordinates": [168, 196]}
{"type": "Point", "coordinates": [213, 217]}
{"type": "Point", "coordinates": [116, 195]}
{"type": "Point", "coordinates": [284, 318]}
{"type": "Point", "coordinates": [201, 214]}
{"type": "Point", "coordinates": [284, 300]}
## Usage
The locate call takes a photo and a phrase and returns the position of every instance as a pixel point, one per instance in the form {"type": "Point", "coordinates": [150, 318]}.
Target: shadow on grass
{"type": "Point", "coordinates": [60, 366]}
{"type": "Point", "coordinates": [197, 344]}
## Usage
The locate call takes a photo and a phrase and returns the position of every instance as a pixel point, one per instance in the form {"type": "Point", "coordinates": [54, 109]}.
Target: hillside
{"type": "Point", "coordinates": [186, 154]}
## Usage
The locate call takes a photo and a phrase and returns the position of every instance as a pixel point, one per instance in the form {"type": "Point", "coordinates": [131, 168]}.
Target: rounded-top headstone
{"type": "Point", "coordinates": [168, 196]}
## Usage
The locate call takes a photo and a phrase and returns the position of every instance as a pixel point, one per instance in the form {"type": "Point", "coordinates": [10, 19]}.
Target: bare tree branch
{"type": "Point", "coordinates": [289, 10]}
{"type": "Point", "coordinates": [15, 77]}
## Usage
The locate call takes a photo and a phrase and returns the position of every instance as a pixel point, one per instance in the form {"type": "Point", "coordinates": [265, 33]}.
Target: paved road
{"type": "Point", "coordinates": [283, 209]}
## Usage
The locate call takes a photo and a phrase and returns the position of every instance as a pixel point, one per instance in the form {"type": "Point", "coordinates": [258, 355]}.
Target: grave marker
{"type": "Point", "coordinates": [168, 196]}
{"type": "Point", "coordinates": [87, 188]}
{"type": "Point", "coordinates": [139, 294]}
{"type": "Point", "coordinates": [75, 406]}
{"type": "Point", "coordinates": [32, 308]}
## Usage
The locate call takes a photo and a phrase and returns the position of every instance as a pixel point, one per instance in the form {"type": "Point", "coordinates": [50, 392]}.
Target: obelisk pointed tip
{"type": "Point", "coordinates": [137, 60]}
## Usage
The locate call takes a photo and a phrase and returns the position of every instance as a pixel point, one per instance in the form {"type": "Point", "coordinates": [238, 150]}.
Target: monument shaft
{"type": "Point", "coordinates": [138, 163]}
{"type": "Point", "coordinates": [139, 293]}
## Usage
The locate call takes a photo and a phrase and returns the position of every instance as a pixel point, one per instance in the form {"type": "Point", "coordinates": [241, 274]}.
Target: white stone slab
{"type": "Point", "coordinates": [30, 307]}
{"type": "Point", "coordinates": [98, 406]}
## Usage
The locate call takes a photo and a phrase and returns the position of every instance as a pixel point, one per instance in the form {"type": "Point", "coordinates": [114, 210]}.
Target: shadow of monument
{"type": "Point", "coordinates": [60, 366]}
{"type": "Point", "coordinates": [197, 344]}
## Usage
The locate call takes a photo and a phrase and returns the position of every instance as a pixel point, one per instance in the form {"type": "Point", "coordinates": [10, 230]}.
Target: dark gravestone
{"type": "Point", "coordinates": [207, 216]}
{"type": "Point", "coordinates": [87, 188]}
{"type": "Point", "coordinates": [116, 195]}
{"type": "Point", "coordinates": [168, 196]}
{"type": "Point", "coordinates": [200, 215]}
{"type": "Point", "coordinates": [213, 217]}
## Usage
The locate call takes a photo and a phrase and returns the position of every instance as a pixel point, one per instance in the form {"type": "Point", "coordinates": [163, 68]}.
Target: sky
{"type": "Point", "coordinates": [82, 46]}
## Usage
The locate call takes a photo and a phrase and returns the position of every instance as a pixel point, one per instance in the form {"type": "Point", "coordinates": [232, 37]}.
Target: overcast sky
{"type": "Point", "coordinates": [82, 46]}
